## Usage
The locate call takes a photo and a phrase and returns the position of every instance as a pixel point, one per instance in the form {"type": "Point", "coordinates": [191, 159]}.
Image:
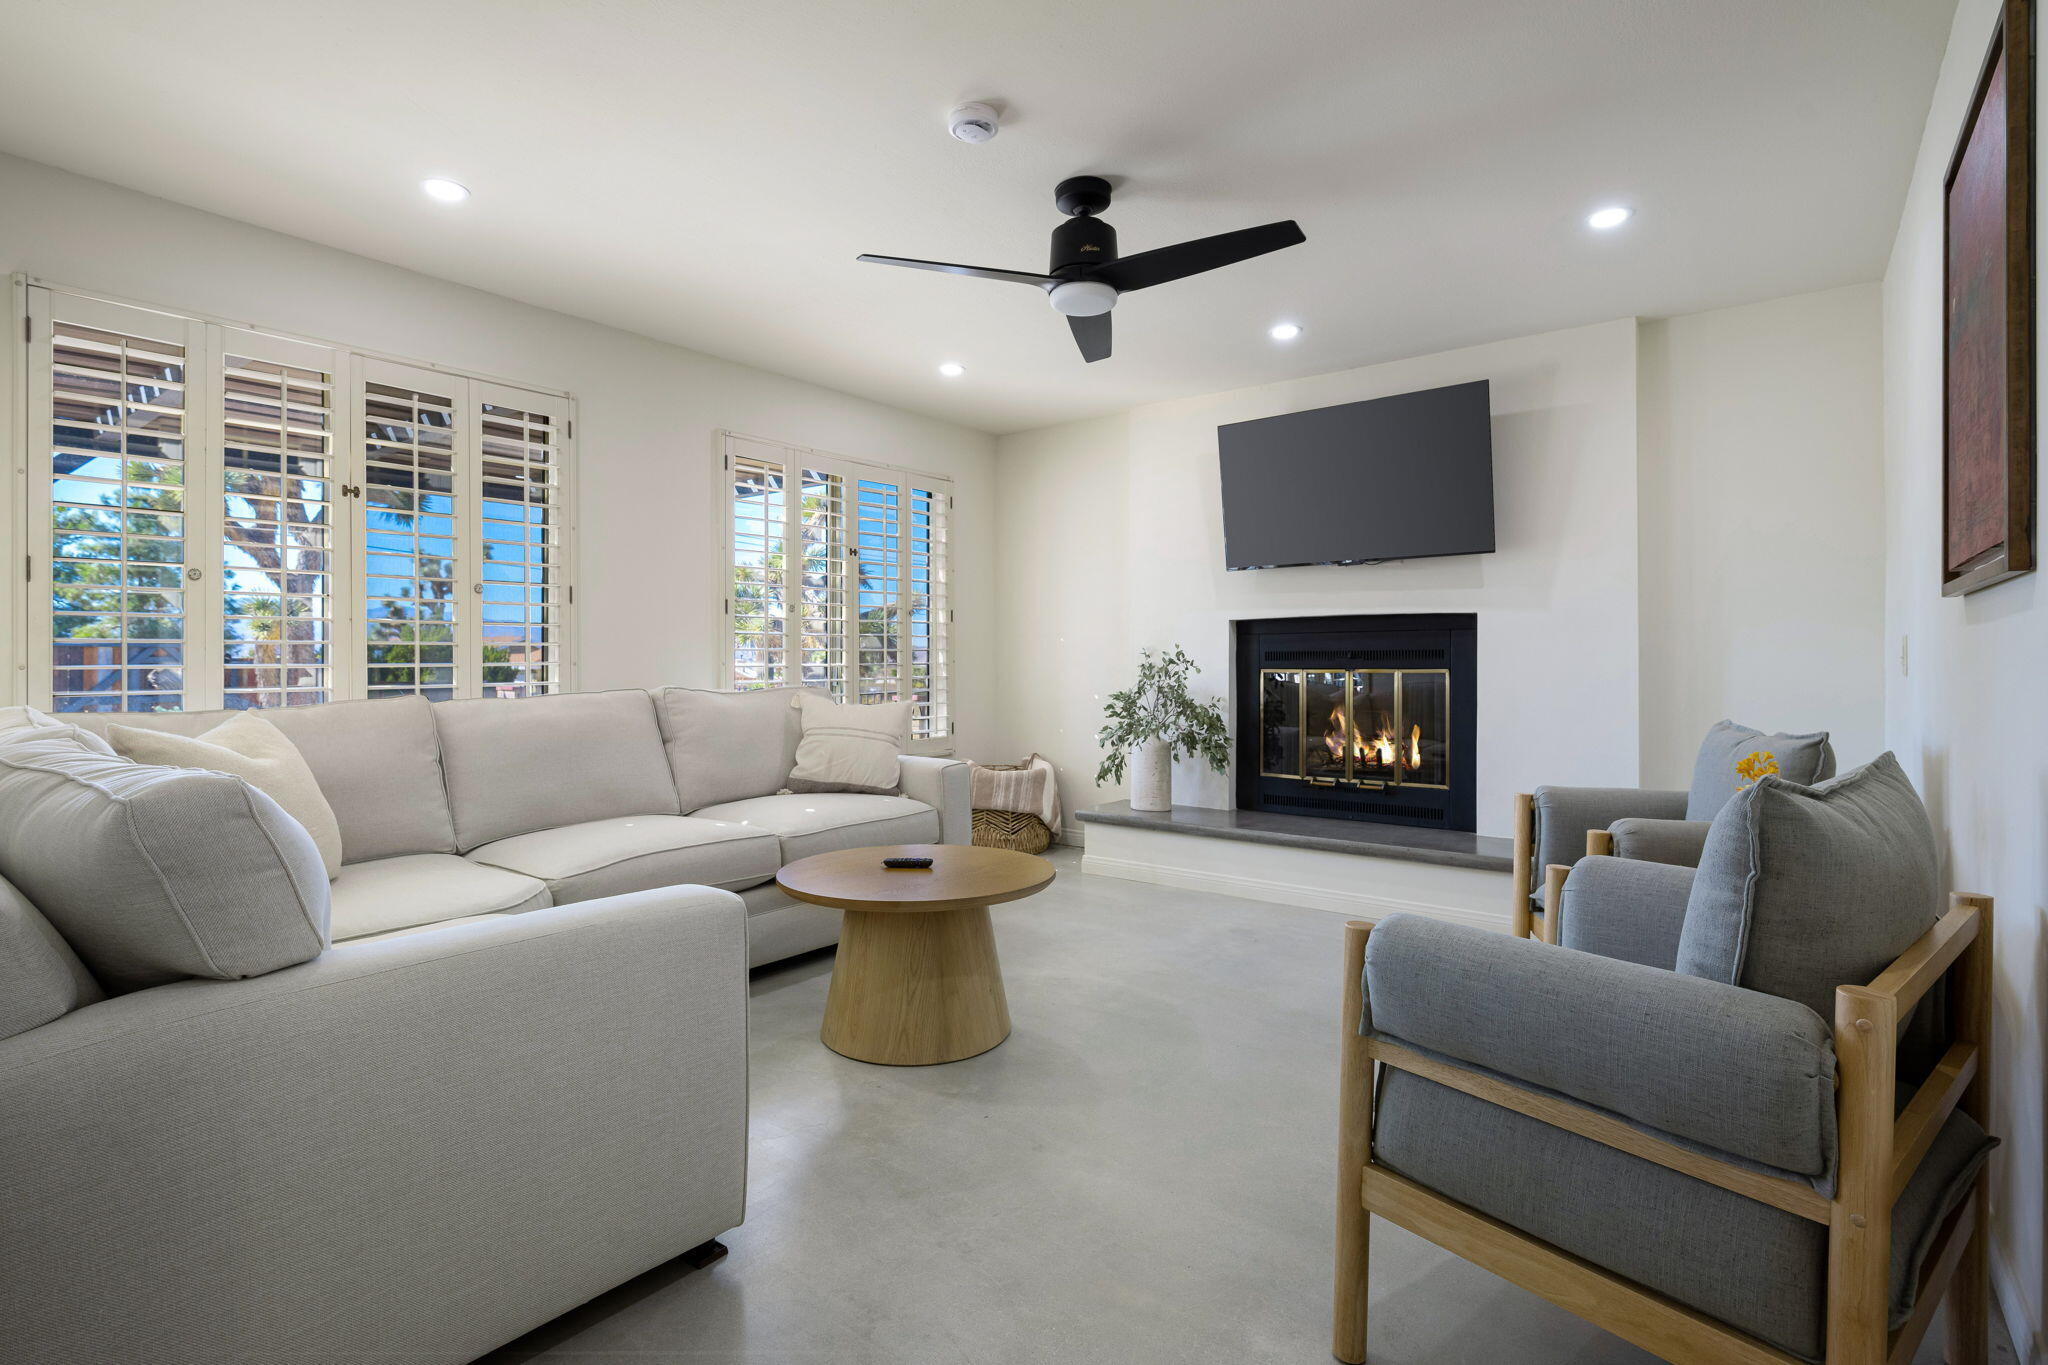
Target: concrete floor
{"type": "Point", "coordinates": [1142, 1173]}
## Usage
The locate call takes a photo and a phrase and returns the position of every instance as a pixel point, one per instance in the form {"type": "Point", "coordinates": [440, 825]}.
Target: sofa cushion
{"type": "Point", "coordinates": [425, 888]}
{"type": "Point", "coordinates": [40, 977]}
{"type": "Point", "coordinates": [152, 874]}
{"type": "Point", "coordinates": [251, 748]}
{"type": "Point", "coordinates": [1803, 889]}
{"type": "Point", "coordinates": [726, 746]}
{"type": "Point", "coordinates": [824, 822]}
{"type": "Point", "coordinates": [1732, 757]}
{"type": "Point", "coordinates": [531, 763]}
{"type": "Point", "coordinates": [379, 766]}
{"type": "Point", "coordinates": [636, 853]}
{"type": "Point", "coordinates": [28, 718]}
{"type": "Point", "coordinates": [849, 748]}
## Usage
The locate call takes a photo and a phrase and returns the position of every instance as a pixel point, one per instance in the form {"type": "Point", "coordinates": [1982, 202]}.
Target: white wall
{"type": "Point", "coordinates": [1123, 548]}
{"type": "Point", "coordinates": [1968, 711]}
{"type": "Point", "coordinates": [1762, 524]}
{"type": "Point", "coordinates": [649, 581]}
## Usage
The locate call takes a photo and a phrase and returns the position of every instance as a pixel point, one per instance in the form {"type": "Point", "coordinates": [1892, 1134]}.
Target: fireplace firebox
{"type": "Point", "coordinates": [1358, 717]}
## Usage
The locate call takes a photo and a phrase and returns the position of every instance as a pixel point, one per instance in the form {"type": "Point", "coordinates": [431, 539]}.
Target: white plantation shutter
{"type": "Point", "coordinates": [839, 578]}
{"type": "Point", "coordinates": [224, 517]}
{"type": "Point", "coordinates": [111, 409]}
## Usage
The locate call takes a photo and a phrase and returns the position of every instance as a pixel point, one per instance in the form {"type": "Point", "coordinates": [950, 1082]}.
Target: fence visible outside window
{"type": "Point", "coordinates": [225, 518]}
{"type": "Point", "coordinates": [839, 579]}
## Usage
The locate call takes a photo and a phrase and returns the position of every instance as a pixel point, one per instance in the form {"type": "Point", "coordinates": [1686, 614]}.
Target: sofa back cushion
{"type": "Point", "coordinates": [1803, 889]}
{"type": "Point", "coordinates": [728, 746]}
{"type": "Point", "coordinates": [40, 977]}
{"type": "Point", "coordinates": [152, 874]}
{"type": "Point", "coordinates": [544, 762]}
{"type": "Point", "coordinates": [378, 763]}
{"type": "Point", "coordinates": [1733, 757]}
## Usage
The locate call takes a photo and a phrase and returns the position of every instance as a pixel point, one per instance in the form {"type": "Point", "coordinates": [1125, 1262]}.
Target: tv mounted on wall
{"type": "Point", "coordinates": [1405, 477]}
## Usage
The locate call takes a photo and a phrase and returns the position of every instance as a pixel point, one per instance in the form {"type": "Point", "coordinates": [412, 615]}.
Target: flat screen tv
{"type": "Point", "coordinates": [1405, 477]}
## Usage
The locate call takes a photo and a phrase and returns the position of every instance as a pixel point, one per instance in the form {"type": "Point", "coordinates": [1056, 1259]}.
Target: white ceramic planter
{"type": "Point", "coordinates": [1152, 776]}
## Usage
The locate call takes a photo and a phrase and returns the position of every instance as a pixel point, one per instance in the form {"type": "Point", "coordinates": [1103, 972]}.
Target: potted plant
{"type": "Point", "coordinates": [1155, 721]}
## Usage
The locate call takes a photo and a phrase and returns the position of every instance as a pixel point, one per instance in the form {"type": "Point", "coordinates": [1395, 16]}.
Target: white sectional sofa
{"type": "Point", "coordinates": [516, 1079]}
{"type": "Point", "coordinates": [454, 810]}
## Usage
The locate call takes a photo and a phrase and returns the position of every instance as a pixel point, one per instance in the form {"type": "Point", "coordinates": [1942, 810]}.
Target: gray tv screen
{"type": "Point", "coordinates": [1405, 477]}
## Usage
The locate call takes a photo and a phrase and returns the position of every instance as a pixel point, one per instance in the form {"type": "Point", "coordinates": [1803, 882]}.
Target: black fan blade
{"type": "Point", "coordinates": [1148, 268]}
{"type": "Point", "coordinates": [1092, 336]}
{"type": "Point", "coordinates": [979, 272]}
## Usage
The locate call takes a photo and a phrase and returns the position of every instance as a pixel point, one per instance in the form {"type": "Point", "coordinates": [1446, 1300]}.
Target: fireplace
{"type": "Point", "coordinates": [1358, 717]}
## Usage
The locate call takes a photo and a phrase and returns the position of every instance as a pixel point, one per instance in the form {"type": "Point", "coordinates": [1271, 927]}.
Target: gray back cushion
{"type": "Point", "coordinates": [152, 874]}
{"type": "Point", "coordinates": [1803, 889]}
{"type": "Point", "coordinates": [544, 762]}
{"type": "Point", "coordinates": [728, 746]}
{"type": "Point", "coordinates": [1733, 756]}
{"type": "Point", "coordinates": [40, 977]}
{"type": "Point", "coordinates": [378, 764]}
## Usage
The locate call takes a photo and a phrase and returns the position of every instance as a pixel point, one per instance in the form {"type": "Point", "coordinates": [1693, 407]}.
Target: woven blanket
{"type": "Point", "coordinates": [1029, 788]}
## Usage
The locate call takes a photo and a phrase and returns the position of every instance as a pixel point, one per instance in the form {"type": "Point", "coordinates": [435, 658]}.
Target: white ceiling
{"type": "Point", "coordinates": [705, 172]}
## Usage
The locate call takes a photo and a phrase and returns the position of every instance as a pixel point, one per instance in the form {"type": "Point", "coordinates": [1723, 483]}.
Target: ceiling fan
{"type": "Point", "coordinates": [1087, 276]}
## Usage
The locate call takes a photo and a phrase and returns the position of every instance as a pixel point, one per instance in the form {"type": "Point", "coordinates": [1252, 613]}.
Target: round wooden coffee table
{"type": "Point", "coordinates": [916, 981]}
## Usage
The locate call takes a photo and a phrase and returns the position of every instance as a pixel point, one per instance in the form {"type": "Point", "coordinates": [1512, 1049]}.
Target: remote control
{"type": "Point", "coordinates": [906, 862]}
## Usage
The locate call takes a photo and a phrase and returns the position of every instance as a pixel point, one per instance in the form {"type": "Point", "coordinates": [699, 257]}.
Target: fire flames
{"type": "Point", "coordinates": [1381, 748]}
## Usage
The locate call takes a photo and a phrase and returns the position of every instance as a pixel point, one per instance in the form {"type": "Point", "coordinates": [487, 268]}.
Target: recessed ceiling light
{"type": "Point", "coordinates": [447, 191]}
{"type": "Point", "coordinates": [952, 369]}
{"type": "Point", "coordinates": [1609, 218]}
{"type": "Point", "coordinates": [1284, 331]}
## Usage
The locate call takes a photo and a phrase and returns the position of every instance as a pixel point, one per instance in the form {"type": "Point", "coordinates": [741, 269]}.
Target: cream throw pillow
{"type": "Point", "coordinates": [251, 748]}
{"type": "Point", "coordinates": [850, 748]}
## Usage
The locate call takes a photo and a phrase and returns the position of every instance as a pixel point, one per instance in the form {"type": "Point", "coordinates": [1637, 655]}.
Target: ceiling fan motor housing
{"type": "Point", "coordinates": [1081, 242]}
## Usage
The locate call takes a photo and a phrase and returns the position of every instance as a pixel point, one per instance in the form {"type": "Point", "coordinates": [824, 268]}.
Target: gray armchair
{"type": "Point", "coordinates": [1555, 826]}
{"type": "Point", "coordinates": [1656, 1129]}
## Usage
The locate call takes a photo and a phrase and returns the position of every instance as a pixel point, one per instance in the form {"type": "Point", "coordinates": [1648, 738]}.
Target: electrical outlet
{"type": "Point", "coordinates": [1905, 663]}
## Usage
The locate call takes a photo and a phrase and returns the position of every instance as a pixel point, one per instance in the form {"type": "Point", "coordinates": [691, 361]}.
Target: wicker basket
{"type": "Point", "coordinates": [1011, 829]}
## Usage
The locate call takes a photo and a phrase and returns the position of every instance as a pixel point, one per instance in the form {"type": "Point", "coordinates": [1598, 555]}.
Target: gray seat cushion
{"type": "Point", "coordinates": [823, 822]}
{"type": "Point", "coordinates": [1733, 756]}
{"type": "Point", "coordinates": [637, 853]}
{"type": "Point", "coordinates": [542, 762]}
{"type": "Point", "coordinates": [1747, 1264]}
{"type": "Point", "coordinates": [726, 746]}
{"type": "Point", "coordinates": [425, 888]}
{"type": "Point", "coordinates": [378, 764]}
{"type": "Point", "coordinates": [1803, 889]}
{"type": "Point", "coordinates": [40, 977]}
{"type": "Point", "coordinates": [153, 874]}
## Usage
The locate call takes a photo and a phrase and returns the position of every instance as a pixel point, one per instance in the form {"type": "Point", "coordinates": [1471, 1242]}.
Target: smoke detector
{"type": "Point", "coordinates": [973, 122]}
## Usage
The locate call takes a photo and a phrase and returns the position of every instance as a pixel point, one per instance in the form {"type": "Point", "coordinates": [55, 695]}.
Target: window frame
{"type": "Point", "coordinates": [24, 610]}
{"type": "Point", "coordinates": [944, 682]}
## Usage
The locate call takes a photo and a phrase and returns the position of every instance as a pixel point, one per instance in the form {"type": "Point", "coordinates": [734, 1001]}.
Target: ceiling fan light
{"type": "Point", "coordinates": [1083, 298]}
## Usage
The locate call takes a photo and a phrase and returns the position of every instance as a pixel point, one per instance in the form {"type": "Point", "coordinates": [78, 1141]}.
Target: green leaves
{"type": "Point", "coordinates": [1158, 706]}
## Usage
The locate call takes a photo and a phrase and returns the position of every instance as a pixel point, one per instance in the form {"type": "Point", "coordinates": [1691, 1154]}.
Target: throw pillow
{"type": "Point", "coordinates": [850, 748]}
{"type": "Point", "coordinates": [152, 874]}
{"type": "Point", "coordinates": [251, 748]}
{"type": "Point", "coordinates": [1733, 757]}
{"type": "Point", "coordinates": [1803, 889]}
{"type": "Point", "coordinates": [18, 721]}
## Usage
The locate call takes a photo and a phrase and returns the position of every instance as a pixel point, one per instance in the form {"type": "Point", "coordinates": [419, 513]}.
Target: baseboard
{"type": "Point", "coordinates": [2012, 1306]}
{"type": "Point", "coordinates": [1352, 903]}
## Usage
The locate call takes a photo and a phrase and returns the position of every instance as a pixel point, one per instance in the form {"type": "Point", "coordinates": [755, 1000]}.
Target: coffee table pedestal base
{"type": "Point", "coordinates": [915, 989]}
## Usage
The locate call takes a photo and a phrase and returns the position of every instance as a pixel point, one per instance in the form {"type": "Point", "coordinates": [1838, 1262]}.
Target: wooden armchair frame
{"type": "Point", "coordinates": [1879, 1155]}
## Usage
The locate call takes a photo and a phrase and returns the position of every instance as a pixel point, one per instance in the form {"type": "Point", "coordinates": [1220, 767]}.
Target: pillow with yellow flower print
{"type": "Point", "coordinates": [1735, 756]}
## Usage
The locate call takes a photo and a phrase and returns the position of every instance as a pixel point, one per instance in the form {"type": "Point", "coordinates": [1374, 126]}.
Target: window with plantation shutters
{"type": "Point", "coordinates": [839, 579]}
{"type": "Point", "coordinates": [226, 518]}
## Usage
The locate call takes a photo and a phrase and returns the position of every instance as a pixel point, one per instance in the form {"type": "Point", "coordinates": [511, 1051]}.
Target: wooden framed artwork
{"type": "Point", "coordinates": [1988, 321]}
